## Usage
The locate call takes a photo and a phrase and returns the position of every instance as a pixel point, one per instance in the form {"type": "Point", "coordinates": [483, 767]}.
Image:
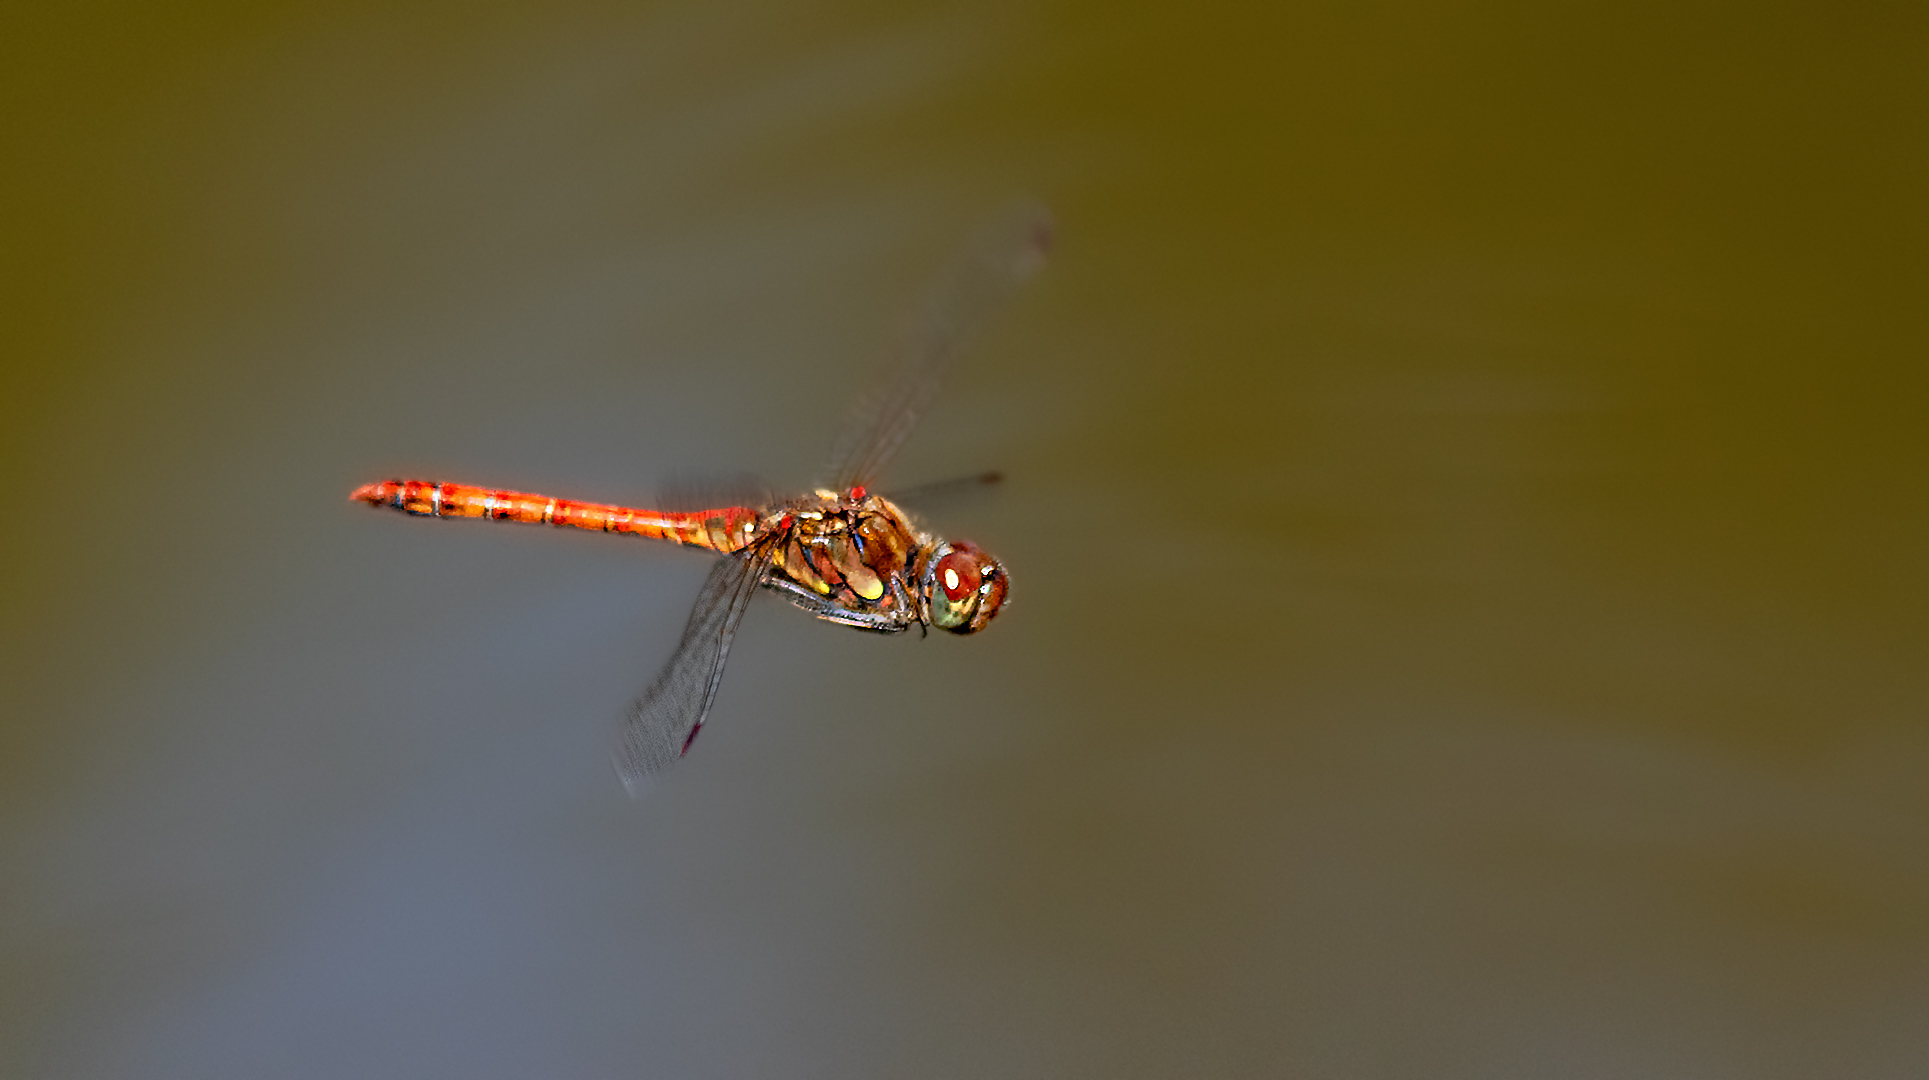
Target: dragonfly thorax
{"type": "Point", "coordinates": [846, 560]}
{"type": "Point", "coordinates": [858, 560]}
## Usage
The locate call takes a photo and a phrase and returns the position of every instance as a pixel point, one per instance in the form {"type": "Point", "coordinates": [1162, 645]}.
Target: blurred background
{"type": "Point", "coordinates": [1465, 506]}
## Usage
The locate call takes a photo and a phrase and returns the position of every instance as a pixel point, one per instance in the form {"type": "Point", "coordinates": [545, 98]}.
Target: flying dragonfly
{"type": "Point", "coordinates": [843, 552]}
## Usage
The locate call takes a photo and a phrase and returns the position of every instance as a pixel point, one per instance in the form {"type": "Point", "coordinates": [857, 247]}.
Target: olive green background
{"type": "Point", "coordinates": [1466, 512]}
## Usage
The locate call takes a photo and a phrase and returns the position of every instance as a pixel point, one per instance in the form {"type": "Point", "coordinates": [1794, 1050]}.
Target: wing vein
{"type": "Point", "coordinates": [661, 723]}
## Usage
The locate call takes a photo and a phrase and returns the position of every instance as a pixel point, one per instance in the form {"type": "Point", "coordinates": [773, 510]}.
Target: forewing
{"type": "Point", "coordinates": [958, 305]}
{"type": "Point", "coordinates": [661, 724]}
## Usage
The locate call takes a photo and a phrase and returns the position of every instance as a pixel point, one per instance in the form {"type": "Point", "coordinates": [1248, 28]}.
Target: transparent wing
{"type": "Point", "coordinates": [922, 496]}
{"type": "Point", "coordinates": [661, 724]}
{"type": "Point", "coordinates": [686, 491]}
{"type": "Point", "coordinates": [960, 303]}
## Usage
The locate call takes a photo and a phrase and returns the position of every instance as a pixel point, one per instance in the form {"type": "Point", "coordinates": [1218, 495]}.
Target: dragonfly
{"type": "Point", "coordinates": [843, 552]}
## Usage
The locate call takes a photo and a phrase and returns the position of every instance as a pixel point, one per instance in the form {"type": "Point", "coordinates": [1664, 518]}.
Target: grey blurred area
{"type": "Point", "coordinates": [1464, 499]}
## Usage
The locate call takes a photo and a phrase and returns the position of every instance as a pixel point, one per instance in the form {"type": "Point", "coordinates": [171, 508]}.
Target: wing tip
{"type": "Point", "coordinates": [636, 782]}
{"type": "Point", "coordinates": [1037, 234]}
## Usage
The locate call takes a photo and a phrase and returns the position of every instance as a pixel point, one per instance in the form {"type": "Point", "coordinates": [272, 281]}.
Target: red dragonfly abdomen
{"type": "Point", "coordinates": [726, 529]}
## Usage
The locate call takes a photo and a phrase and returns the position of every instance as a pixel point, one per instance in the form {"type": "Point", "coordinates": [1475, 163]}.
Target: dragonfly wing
{"type": "Point", "coordinates": [661, 724]}
{"type": "Point", "coordinates": [688, 491]}
{"type": "Point", "coordinates": [959, 304]}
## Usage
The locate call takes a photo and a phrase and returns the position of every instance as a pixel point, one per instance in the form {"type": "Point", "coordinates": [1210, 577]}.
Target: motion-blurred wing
{"type": "Point", "coordinates": [683, 492]}
{"type": "Point", "coordinates": [959, 304]}
{"type": "Point", "coordinates": [663, 722]}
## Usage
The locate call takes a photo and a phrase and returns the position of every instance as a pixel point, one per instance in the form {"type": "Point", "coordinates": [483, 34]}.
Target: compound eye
{"type": "Point", "coordinates": [967, 587]}
{"type": "Point", "coordinates": [958, 576]}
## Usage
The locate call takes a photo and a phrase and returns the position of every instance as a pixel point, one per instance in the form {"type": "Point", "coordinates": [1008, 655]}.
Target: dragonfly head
{"type": "Point", "coordinates": [960, 586]}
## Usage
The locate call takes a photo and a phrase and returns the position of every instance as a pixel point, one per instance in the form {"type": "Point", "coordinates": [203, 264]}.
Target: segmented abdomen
{"type": "Point", "coordinates": [727, 529]}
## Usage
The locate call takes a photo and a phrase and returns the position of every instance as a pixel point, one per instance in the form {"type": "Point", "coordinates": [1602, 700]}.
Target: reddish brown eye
{"type": "Point", "coordinates": [963, 588]}
{"type": "Point", "coordinates": [958, 575]}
